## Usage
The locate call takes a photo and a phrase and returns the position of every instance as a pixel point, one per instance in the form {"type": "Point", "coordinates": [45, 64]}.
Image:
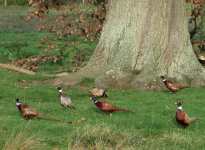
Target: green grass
{"type": "Point", "coordinates": [88, 82]}
{"type": "Point", "coordinates": [152, 126]}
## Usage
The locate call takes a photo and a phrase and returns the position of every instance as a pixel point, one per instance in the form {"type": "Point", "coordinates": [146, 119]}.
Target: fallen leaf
{"type": "Point", "coordinates": [201, 57]}
{"type": "Point", "coordinates": [79, 121]}
{"type": "Point", "coordinates": [55, 147]}
{"type": "Point", "coordinates": [83, 119]}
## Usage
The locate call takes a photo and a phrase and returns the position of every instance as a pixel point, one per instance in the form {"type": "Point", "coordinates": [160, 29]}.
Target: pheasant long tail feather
{"type": "Point", "coordinates": [44, 115]}
{"type": "Point", "coordinates": [71, 105]}
{"type": "Point", "coordinates": [182, 87]}
{"type": "Point", "coordinates": [85, 90]}
{"type": "Point", "coordinates": [126, 110]}
{"type": "Point", "coordinates": [192, 119]}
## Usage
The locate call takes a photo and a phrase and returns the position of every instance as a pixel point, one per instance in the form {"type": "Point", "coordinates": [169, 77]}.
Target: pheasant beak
{"type": "Point", "coordinates": [176, 103]}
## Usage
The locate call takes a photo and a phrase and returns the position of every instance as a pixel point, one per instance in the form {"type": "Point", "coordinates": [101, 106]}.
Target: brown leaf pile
{"type": "Point", "coordinates": [32, 63]}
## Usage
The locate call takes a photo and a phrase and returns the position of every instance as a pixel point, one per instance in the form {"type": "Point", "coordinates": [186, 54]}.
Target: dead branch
{"type": "Point", "coordinates": [24, 71]}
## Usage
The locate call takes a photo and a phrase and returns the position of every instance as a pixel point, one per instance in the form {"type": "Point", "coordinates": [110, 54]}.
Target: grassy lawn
{"type": "Point", "coordinates": [153, 126]}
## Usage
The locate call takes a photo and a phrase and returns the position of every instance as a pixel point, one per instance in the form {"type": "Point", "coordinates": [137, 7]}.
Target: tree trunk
{"type": "Point", "coordinates": [141, 40]}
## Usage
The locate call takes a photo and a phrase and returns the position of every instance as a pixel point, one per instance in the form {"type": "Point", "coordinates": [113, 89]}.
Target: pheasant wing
{"type": "Point", "coordinates": [27, 110]}
{"type": "Point", "coordinates": [65, 99]}
{"type": "Point", "coordinates": [187, 119]}
{"type": "Point", "coordinates": [106, 106]}
{"type": "Point", "coordinates": [173, 85]}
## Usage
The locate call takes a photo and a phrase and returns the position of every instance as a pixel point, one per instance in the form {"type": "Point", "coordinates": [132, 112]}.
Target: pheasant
{"type": "Point", "coordinates": [97, 92]}
{"type": "Point", "coordinates": [29, 112]}
{"type": "Point", "coordinates": [65, 99]}
{"type": "Point", "coordinates": [173, 87]}
{"type": "Point", "coordinates": [182, 118]}
{"type": "Point", "coordinates": [108, 107]}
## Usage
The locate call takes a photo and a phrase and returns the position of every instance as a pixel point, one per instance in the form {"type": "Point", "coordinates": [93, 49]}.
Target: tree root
{"type": "Point", "coordinates": [24, 71]}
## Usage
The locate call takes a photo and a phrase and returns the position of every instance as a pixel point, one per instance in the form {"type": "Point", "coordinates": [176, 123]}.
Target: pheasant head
{"type": "Point", "coordinates": [163, 78]}
{"type": "Point", "coordinates": [95, 99]}
{"type": "Point", "coordinates": [17, 101]}
{"type": "Point", "coordinates": [59, 88]}
{"type": "Point", "coordinates": [179, 104]}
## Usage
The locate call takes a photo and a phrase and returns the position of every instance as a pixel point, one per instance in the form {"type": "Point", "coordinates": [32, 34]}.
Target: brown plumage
{"type": "Point", "coordinates": [173, 87]}
{"type": "Point", "coordinates": [182, 118]}
{"type": "Point", "coordinates": [108, 107]}
{"type": "Point", "coordinates": [97, 92]}
{"type": "Point", "coordinates": [28, 111]}
{"type": "Point", "coordinates": [65, 99]}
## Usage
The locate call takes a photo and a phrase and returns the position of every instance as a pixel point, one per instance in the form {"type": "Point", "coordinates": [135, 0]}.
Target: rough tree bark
{"type": "Point", "coordinates": [141, 40]}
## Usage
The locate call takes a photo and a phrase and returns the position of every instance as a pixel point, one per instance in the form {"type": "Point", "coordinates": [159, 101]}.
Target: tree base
{"type": "Point", "coordinates": [123, 80]}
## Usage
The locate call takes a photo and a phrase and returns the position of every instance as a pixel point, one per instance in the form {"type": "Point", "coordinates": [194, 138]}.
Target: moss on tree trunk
{"type": "Point", "coordinates": [142, 40]}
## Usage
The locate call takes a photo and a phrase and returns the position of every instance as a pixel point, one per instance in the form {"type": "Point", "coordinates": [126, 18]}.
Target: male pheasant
{"type": "Point", "coordinates": [182, 118]}
{"type": "Point", "coordinates": [173, 87]}
{"type": "Point", "coordinates": [108, 107]}
{"type": "Point", "coordinates": [29, 112]}
{"type": "Point", "coordinates": [65, 99]}
{"type": "Point", "coordinates": [97, 92]}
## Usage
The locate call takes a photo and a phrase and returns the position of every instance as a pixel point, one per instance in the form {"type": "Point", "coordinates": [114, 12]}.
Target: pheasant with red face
{"type": "Point", "coordinates": [182, 118]}
{"type": "Point", "coordinates": [97, 92]}
{"type": "Point", "coordinates": [29, 112]}
{"type": "Point", "coordinates": [65, 99]}
{"type": "Point", "coordinates": [173, 87]}
{"type": "Point", "coordinates": [108, 107]}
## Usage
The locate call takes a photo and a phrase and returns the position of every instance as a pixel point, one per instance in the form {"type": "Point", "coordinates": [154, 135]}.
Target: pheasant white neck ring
{"type": "Point", "coordinates": [164, 80]}
{"type": "Point", "coordinates": [179, 107]}
{"type": "Point", "coordinates": [18, 103]}
{"type": "Point", "coordinates": [60, 90]}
